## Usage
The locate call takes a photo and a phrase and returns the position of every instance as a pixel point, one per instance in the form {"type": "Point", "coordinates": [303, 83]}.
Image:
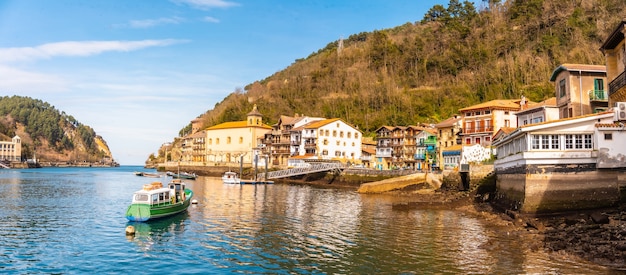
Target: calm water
{"type": "Point", "coordinates": [71, 220]}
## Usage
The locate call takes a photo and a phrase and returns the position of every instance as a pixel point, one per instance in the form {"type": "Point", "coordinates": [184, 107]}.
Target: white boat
{"type": "Point", "coordinates": [231, 178]}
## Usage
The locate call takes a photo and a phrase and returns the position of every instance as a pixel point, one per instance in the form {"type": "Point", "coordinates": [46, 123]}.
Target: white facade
{"type": "Point", "coordinates": [567, 141]}
{"type": "Point", "coordinates": [334, 140]}
{"type": "Point", "coordinates": [11, 150]}
{"type": "Point", "coordinates": [299, 136]}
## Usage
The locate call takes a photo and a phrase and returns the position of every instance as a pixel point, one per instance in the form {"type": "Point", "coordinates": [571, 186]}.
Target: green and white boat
{"type": "Point", "coordinates": [155, 201]}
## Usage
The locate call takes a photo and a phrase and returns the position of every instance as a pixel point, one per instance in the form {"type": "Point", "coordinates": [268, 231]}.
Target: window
{"type": "Point", "coordinates": [240, 140]}
{"type": "Point", "coordinates": [468, 141]}
{"type": "Point", "coordinates": [356, 135]}
{"type": "Point", "coordinates": [325, 153]}
{"type": "Point", "coordinates": [228, 140]}
{"type": "Point", "coordinates": [468, 114]}
{"type": "Point", "coordinates": [487, 112]}
{"type": "Point", "coordinates": [349, 134]}
{"type": "Point", "coordinates": [507, 123]}
{"type": "Point", "coordinates": [217, 141]}
{"type": "Point", "coordinates": [562, 91]}
{"type": "Point", "coordinates": [578, 142]}
{"type": "Point", "coordinates": [477, 140]}
{"type": "Point", "coordinates": [608, 136]}
{"type": "Point", "coordinates": [338, 143]}
{"type": "Point", "coordinates": [525, 122]}
{"type": "Point", "coordinates": [210, 141]}
{"type": "Point", "coordinates": [325, 142]}
{"type": "Point", "coordinates": [327, 133]}
{"type": "Point", "coordinates": [334, 133]}
{"type": "Point", "coordinates": [555, 142]}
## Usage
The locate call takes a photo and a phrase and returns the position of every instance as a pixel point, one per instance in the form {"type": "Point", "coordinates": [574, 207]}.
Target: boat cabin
{"type": "Point", "coordinates": [155, 193]}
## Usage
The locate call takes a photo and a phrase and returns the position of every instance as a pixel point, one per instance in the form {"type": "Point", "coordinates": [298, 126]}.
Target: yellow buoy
{"type": "Point", "coordinates": [130, 230]}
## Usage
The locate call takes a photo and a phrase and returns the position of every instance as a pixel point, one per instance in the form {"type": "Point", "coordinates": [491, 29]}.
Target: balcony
{"type": "Point", "coordinates": [485, 129]}
{"type": "Point", "coordinates": [419, 156]}
{"type": "Point", "coordinates": [309, 145]}
{"type": "Point", "coordinates": [598, 95]}
{"type": "Point", "coordinates": [618, 83]}
{"type": "Point", "coordinates": [295, 142]}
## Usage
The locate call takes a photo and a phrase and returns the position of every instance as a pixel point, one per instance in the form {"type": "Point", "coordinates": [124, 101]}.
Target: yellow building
{"type": "Point", "coordinates": [227, 142]}
{"type": "Point", "coordinates": [614, 49]}
{"type": "Point", "coordinates": [580, 89]}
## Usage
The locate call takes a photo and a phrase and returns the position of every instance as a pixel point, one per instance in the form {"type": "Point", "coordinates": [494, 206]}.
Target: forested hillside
{"type": "Point", "coordinates": [54, 135]}
{"type": "Point", "coordinates": [424, 71]}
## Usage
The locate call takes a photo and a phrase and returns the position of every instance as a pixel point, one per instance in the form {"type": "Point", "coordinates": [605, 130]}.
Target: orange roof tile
{"type": "Point", "coordinates": [495, 104]}
{"type": "Point", "coordinates": [235, 124]}
{"type": "Point", "coordinates": [317, 124]}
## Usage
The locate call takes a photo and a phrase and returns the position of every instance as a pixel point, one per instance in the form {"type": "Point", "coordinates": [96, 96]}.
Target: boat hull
{"type": "Point", "coordinates": [139, 212]}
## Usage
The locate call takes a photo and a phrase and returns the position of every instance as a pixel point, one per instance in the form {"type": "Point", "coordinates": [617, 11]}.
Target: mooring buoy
{"type": "Point", "coordinates": [130, 230]}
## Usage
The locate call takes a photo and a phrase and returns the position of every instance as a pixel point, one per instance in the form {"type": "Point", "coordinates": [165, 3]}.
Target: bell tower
{"type": "Point", "coordinates": [255, 118]}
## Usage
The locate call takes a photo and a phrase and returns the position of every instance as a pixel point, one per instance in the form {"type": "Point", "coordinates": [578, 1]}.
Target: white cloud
{"type": "Point", "coordinates": [147, 23]}
{"type": "Point", "coordinates": [17, 81]}
{"type": "Point", "coordinates": [78, 48]}
{"type": "Point", "coordinates": [207, 4]}
{"type": "Point", "coordinates": [210, 19]}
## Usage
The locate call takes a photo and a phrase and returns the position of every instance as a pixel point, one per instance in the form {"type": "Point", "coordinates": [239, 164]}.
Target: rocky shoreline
{"type": "Point", "coordinates": [597, 236]}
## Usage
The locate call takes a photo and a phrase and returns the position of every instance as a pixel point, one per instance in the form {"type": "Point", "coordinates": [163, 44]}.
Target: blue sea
{"type": "Point", "coordinates": [71, 221]}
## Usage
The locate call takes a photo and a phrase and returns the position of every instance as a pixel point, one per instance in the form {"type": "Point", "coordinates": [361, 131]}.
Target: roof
{"type": "Point", "coordinates": [369, 151]}
{"type": "Point", "coordinates": [615, 37]}
{"type": "Point", "coordinates": [577, 67]}
{"type": "Point", "coordinates": [448, 122]}
{"type": "Point", "coordinates": [495, 104]}
{"type": "Point", "coordinates": [235, 124]}
{"type": "Point", "coordinates": [545, 124]}
{"type": "Point", "coordinates": [550, 102]}
{"type": "Point", "coordinates": [453, 148]}
{"type": "Point", "coordinates": [317, 124]}
{"type": "Point", "coordinates": [389, 128]}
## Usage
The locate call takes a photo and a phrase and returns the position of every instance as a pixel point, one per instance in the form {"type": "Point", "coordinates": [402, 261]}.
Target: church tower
{"type": "Point", "coordinates": [254, 117]}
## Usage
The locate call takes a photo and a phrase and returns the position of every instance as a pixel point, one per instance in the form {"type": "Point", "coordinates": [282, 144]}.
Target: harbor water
{"type": "Point", "coordinates": [71, 221]}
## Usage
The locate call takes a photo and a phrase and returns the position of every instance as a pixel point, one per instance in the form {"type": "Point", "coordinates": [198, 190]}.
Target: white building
{"type": "Point", "coordinates": [562, 165]}
{"type": "Point", "coordinates": [11, 150]}
{"type": "Point", "coordinates": [331, 139]}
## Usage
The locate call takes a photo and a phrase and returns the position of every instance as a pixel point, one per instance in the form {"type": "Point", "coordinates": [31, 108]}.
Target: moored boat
{"type": "Point", "coordinates": [231, 178]}
{"type": "Point", "coordinates": [154, 201]}
{"type": "Point", "coordinates": [183, 175]}
{"type": "Point", "coordinates": [148, 175]}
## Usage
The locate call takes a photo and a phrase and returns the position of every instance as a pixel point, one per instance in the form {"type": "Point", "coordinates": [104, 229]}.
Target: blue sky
{"type": "Point", "coordinates": [138, 71]}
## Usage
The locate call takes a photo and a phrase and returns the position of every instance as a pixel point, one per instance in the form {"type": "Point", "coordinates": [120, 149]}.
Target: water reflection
{"type": "Point", "coordinates": [157, 233]}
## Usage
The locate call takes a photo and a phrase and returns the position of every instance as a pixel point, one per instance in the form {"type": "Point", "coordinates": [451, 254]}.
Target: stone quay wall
{"type": "Point", "coordinates": [551, 189]}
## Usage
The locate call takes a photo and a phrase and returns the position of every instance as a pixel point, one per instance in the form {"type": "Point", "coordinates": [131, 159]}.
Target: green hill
{"type": "Point", "coordinates": [51, 135]}
{"type": "Point", "coordinates": [455, 56]}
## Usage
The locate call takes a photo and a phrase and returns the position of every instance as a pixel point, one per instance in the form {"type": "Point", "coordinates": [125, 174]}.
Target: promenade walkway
{"type": "Point", "coordinates": [313, 168]}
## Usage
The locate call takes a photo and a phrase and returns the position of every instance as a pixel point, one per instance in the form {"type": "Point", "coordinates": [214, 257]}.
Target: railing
{"type": "Point", "coordinates": [617, 83]}
{"type": "Point", "coordinates": [314, 168]}
{"type": "Point", "coordinates": [598, 95]}
{"type": "Point", "coordinates": [419, 156]}
{"type": "Point", "coordinates": [478, 130]}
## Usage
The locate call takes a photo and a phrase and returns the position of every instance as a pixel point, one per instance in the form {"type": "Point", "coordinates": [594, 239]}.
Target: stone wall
{"type": "Point", "coordinates": [553, 192]}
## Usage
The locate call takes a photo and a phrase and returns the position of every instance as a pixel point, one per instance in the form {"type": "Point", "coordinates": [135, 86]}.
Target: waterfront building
{"type": "Point", "coordinates": [538, 112]}
{"type": "Point", "coordinates": [228, 142]}
{"type": "Point", "coordinates": [480, 122]}
{"type": "Point", "coordinates": [11, 150]}
{"type": "Point", "coordinates": [368, 152]}
{"type": "Point", "coordinates": [285, 139]}
{"type": "Point", "coordinates": [383, 147]}
{"type": "Point", "coordinates": [426, 150]}
{"type": "Point", "coordinates": [614, 50]}
{"type": "Point", "coordinates": [193, 148]}
{"type": "Point", "coordinates": [396, 147]}
{"type": "Point", "coordinates": [562, 165]}
{"type": "Point", "coordinates": [580, 89]}
{"type": "Point", "coordinates": [447, 137]}
{"type": "Point", "coordinates": [331, 139]}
